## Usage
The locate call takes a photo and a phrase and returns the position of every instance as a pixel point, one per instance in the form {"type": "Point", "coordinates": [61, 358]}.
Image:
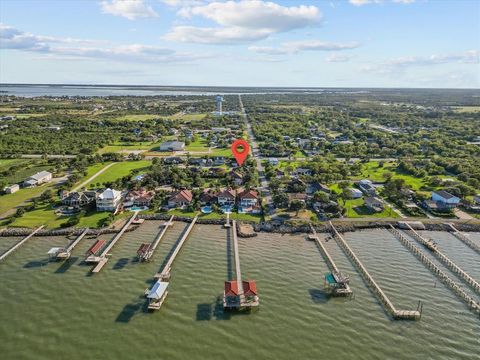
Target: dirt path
{"type": "Point", "coordinates": [92, 177]}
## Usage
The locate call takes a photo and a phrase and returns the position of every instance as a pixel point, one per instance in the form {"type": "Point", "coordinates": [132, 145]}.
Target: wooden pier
{"type": "Point", "coordinates": [102, 259]}
{"type": "Point", "coordinates": [471, 303]}
{"type": "Point", "coordinates": [148, 253]}
{"type": "Point", "coordinates": [342, 288]}
{"type": "Point", "coordinates": [20, 243]}
{"type": "Point", "coordinates": [461, 274]}
{"type": "Point", "coordinates": [396, 314]}
{"type": "Point", "coordinates": [464, 238]}
{"type": "Point", "coordinates": [64, 253]}
{"type": "Point", "coordinates": [165, 273]}
{"type": "Point", "coordinates": [241, 298]}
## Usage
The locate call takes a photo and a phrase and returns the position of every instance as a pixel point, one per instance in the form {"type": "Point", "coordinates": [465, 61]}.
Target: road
{"type": "Point", "coordinates": [264, 186]}
{"type": "Point", "coordinates": [92, 177]}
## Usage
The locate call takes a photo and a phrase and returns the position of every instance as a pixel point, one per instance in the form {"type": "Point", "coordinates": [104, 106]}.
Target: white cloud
{"type": "Point", "coordinates": [295, 47]}
{"type": "Point", "coordinates": [338, 58]}
{"type": "Point", "coordinates": [130, 9]}
{"type": "Point", "coordinates": [183, 3]}
{"type": "Point", "coordinates": [11, 38]}
{"type": "Point", "coordinates": [400, 64]}
{"type": "Point", "coordinates": [243, 21]}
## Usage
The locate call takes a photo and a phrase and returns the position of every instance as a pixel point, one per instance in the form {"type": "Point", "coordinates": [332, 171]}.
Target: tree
{"type": "Point", "coordinates": [280, 200]}
{"type": "Point", "coordinates": [297, 205]}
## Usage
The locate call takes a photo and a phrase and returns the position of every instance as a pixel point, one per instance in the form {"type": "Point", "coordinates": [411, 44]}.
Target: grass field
{"type": "Point", "coordinates": [11, 201]}
{"type": "Point", "coordinates": [357, 209]}
{"type": "Point", "coordinates": [29, 169]}
{"type": "Point", "coordinates": [187, 117]}
{"type": "Point", "coordinates": [137, 117]}
{"type": "Point", "coordinates": [125, 146]}
{"type": "Point", "coordinates": [464, 109]}
{"type": "Point", "coordinates": [7, 163]}
{"type": "Point", "coordinates": [91, 170]}
{"type": "Point", "coordinates": [215, 215]}
{"type": "Point", "coordinates": [118, 171]}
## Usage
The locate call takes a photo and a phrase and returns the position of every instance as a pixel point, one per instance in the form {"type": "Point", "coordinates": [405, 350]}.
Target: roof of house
{"type": "Point", "coordinates": [109, 194]}
{"type": "Point", "coordinates": [40, 175]}
{"type": "Point", "coordinates": [227, 193]}
{"type": "Point", "coordinates": [248, 194]}
{"type": "Point", "coordinates": [207, 195]}
{"type": "Point", "coordinates": [249, 288]}
{"type": "Point", "coordinates": [142, 194]}
{"type": "Point", "coordinates": [444, 194]}
{"type": "Point", "coordinates": [183, 195]}
{"type": "Point", "coordinates": [231, 288]}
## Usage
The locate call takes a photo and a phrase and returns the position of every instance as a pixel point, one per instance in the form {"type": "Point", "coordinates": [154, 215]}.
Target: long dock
{"type": "Point", "coordinates": [20, 243]}
{"type": "Point", "coordinates": [76, 241]}
{"type": "Point", "coordinates": [165, 274]}
{"type": "Point", "coordinates": [238, 271]}
{"type": "Point", "coordinates": [475, 285]}
{"type": "Point", "coordinates": [397, 314]}
{"type": "Point", "coordinates": [345, 289]}
{"type": "Point", "coordinates": [153, 246]}
{"type": "Point", "coordinates": [472, 304]}
{"type": "Point", "coordinates": [59, 253]}
{"type": "Point", "coordinates": [102, 259]}
{"type": "Point", "coordinates": [464, 238]}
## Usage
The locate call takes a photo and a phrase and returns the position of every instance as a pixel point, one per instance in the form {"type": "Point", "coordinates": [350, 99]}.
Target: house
{"type": "Point", "coordinates": [248, 198]}
{"type": "Point", "coordinates": [301, 171]}
{"type": "Point", "coordinates": [11, 189]}
{"type": "Point", "coordinates": [476, 199]}
{"type": "Point", "coordinates": [78, 199]}
{"type": "Point", "coordinates": [109, 200]}
{"type": "Point", "coordinates": [273, 161]}
{"type": "Point", "coordinates": [141, 197]}
{"type": "Point", "coordinates": [173, 160]}
{"type": "Point", "coordinates": [445, 199]}
{"type": "Point", "coordinates": [237, 178]}
{"type": "Point", "coordinates": [226, 197]}
{"type": "Point", "coordinates": [172, 146]}
{"type": "Point", "coordinates": [366, 186]}
{"type": "Point", "coordinates": [374, 203]}
{"type": "Point", "coordinates": [315, 186]}
{"type": "Point", "coordinates": [180, 199]}
{"type": "Point", "coordinates": [297, 196]}
{"type": "Point", "coordinates": [38, 179]}
{"type": "Point", "coordinates": [207, 197]}
{"type": "Point", "coordinates": [355, 193]}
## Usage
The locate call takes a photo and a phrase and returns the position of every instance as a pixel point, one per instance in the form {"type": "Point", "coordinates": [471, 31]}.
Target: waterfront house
{"type": "Point", "coordinates": [141, 197]}
{"type": "Point", "coordinates": [248, 202]}
{"type": "Point", "coordinates": [226, 197]}
{"type": "Point", "coordinates": [78, 199]}
{"type": "Point", "coordinates": [180, 198]}
{"type": "Point", "coordinates": [11, 189]}
{"type": "Point", "coordinates": [374, 203]}
{"type": "Point", "coordinates": [109, 200]}
{"type": "Point", "coordinates": [38, 179]}
{"type": "Point", "coordinates": [445, 199]}
{"type": "Point", "coordinates": [207, 197]}
{"type": "Point", "coordinates": [366, 186]}
{"type": "Point", "coordinates": [172, 146]}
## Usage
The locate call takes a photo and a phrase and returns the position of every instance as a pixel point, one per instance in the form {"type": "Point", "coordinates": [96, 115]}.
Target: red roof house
{"type": "Point", "coordinates": [95, 248]}
{"type": "Point", "coordinates": [249, 288]}
{"type": "Point", "coordinates": [180, 198]}
{"type": "Point", "coordinates": [231, 288]}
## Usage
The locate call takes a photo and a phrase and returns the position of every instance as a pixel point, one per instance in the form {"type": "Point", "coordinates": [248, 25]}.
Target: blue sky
{"type": "Point", "coordinates": [338, 43]}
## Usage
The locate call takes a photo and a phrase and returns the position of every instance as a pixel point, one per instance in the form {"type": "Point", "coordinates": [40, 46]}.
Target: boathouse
{"type": "Point", "coordinates": [157, 294]}
{"type": "Point", "coordinates": [95, 248]}
{"type": "Point", "coordinates": [143, 251]}
{"type": "Point", "coordinates": [231, 294]}
{"type": "Point", "coordinates": [250, 290]}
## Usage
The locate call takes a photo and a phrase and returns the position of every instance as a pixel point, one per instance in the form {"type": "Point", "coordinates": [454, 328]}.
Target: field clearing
{"type": "Point", "coordinates": [129, 147]}
{"type": "Point", "coordinates": [11, 201]}
{"type": "Point", "coordinates": [138, 117]}
{"type": "Point", "coordinates": [29, 169]}
{"type": "Point", "coordinates": [118, 171]}
{"type": "Point", "coordinates": [181, 116]}
{"type": "Point", "coordinates": [466, 109]}
{"type": "Point", "coordinates": [7, 163]}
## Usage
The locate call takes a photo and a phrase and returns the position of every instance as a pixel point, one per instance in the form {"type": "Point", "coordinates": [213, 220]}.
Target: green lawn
{"type": "Point", "coordinates": [199, 144]}
{"type": "Point", "coordinates": [215, 215]}
{"type": "Point", "coordinates": [119, 170]}
{"type": "Point", "coordinates": [357, 209]}
{"type": "Point", "coordinates": [30, 168]}
{"type": "Point", "coordinates": [129, 146]}
{"type": "Point", "coordinates": [373, 172]}
{"type": "Point", "coordinates": [7, 163]}
{"type": "Point", "coordinates": [10, 201]}
{"type": "Point", "coordinates": [187, 117]}
{"type": "Point", "coordinates": [91, 170]}
{"type": "Point", "coordinates": [43, 215]}
{"type": "Point", "coordinates": [137, 117]}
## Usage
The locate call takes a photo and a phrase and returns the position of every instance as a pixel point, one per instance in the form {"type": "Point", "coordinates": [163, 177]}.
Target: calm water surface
{"type": "Point", "coordinates": [55, 310]}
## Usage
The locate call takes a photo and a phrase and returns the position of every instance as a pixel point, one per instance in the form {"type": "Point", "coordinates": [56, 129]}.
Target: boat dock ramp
{"type": "Point", "coordinates": [157, 294]}
{"type": "Point", "coordinates": [461, 274]}
{"type": "Point", "coordinates": [145, 252]}
{"type": "Point", "coordinates": [239, 294]}
{"type": "Point", "coordinates": [20, 243]}
{"type": "Point", "coordinates": [60, 253]}
{"type": "Point", "coordinates": [396, 314]}
{"type": "Point", "coordinates": [336, 281]}
{"type": "Point", "coordinates": [472, 304]}
{"type": "Point", "coordinates": [102, 258]}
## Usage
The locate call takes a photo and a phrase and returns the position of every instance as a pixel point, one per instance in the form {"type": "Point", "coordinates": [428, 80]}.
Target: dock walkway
{"type": "Point", "coordinates": [102, 259]}
{"type": "Point", "coordinates": [165, 273]}
{"type": "Point", "coordinates": [475, 285]}
{"type": "Point", "coordinates": [472, 304]}
{"type": "Point", "coordinates": [397, 314]}
{"type": "Point", "coordinates": [330, 262]}
{"type": "Point", "coordinates": [157, 239]}
{"type": "Point", "coordinates": [74, 243]}
{"type": "Point", "coordinates": [20, 243]}
{"type": "Point", "coordinates": [464, 238]}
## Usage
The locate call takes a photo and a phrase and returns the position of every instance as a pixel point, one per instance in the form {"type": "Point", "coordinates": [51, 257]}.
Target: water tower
{"type": "Point", "coordinates": [218, 102]}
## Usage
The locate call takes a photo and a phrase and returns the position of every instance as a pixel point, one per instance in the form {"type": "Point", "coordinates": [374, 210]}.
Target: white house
{"type": "Point", "coordinates": [109, 200]}
{"type": "Point", "coordinates": [355, 193]}
{"type": "Point", "coordinates": [38, 178]}
{"type": "Point", "coordinates": [11, 189]}
{"type": "Point", "coordinates": [445, 199]}
{"type": "Point", "coordinates": [226, 197]}
{"type": "Point", "coordinates": [172, 146]}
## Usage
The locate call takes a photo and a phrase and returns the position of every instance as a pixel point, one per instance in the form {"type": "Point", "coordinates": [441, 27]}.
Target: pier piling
{"type": "Point", "coordinates": [464, 238]}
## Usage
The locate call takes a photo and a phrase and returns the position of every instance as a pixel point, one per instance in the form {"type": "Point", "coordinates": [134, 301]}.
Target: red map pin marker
{"type": "Point", "coordinates": [242, 153]}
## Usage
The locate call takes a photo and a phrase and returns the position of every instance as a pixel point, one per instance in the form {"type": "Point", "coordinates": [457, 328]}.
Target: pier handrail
{"type": "Point", "coordinates": [119, 235]}
{"type": "Point", "coordinates": [159, 237]}
{"type": "Point", "coordinates": [20, 243]}
{"type": "Point", "coordinates": [462, 237]}
{"type": "Point", "coordinates": [76, 241]}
